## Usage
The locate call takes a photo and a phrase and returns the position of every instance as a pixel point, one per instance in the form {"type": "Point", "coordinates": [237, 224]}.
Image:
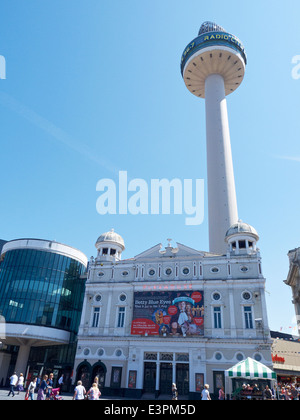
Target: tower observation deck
{"type": "Point", "coordinates": [212, 67]}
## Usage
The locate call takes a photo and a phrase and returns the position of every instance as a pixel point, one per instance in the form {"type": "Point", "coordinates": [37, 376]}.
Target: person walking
{"type": "Point", "coordinates": [60, 383]}
{"type": "Point", "coordinates": [221, 394]}
{"type": "Point", "coordinates": [94, 393]}
{"type": "Point", "coordinates": [50, 386]}
{"type": "Point", "coordinates": [79, 392]}
{"type": "Point", "coordinates": [267, 393]}
{"type": "Point", "coordinates": [31, 388]}
{"type": "Point", "coordinates": [43, 389]}
{"type": "Point", "coordinates": [20, 384]}
{"type": "Point", "coordinates": [13, 382]}
{"type": "Point", "coordinates": [174, 392]}
{"type": "Point", "coordinates": [205, 393]}
{"type": "Point", "coordinates": [38, 383]}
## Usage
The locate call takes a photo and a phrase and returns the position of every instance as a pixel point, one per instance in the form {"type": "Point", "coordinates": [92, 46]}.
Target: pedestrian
{"type": "Point", "coordinates": [96, 381]}
{"type": "Point", "coordinates": [60, 383]}
{"type": "Point", "coordinates": [38, 383]}
{"type": "Point", "coordinates": [20, 384]}
{"type": "Point", "coordinates": [31, 388]}
{"type": "Point", "coordinates": [43, 388]}
{"type": "Point", "coordinates": [267, 393]}
{"type": "Point", "coordinates": [50, 386]}
{"type": "Point", "coordinates": [13, 382]}
{"type": "Point", "coordinates": [205, 393]}
{"type": "Point", "coordinates": [294, 393]}
{"type": "Point", "coordinates": [80, 391]}
{"type": "Point", "coordinates": [221, 394]}
{"type": "Point", "coordinates": [174, 392]}
{"type": "Point", "coordinates": [94, 393]}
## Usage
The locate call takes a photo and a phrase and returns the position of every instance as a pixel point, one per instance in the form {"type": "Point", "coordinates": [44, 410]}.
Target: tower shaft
{"type": "Point", "coordinates": [222, 203]}
{"type": "Point", "coordinates": [213, 66]}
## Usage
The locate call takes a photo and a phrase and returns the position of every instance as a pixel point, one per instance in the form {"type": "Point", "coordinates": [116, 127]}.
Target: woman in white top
{"type": "Point", "coordinates": [79, 391]}
{"type": "Point", "coordinates": [31, 388]}
{"type": "Point", "coordinates": [20, 384]}
{"type": "Point", "coordinates": [205, 393]}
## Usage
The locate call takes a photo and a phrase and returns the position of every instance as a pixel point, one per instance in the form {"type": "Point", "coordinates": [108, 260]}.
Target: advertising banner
{"type": "Point", "coordinates": [174, 313]}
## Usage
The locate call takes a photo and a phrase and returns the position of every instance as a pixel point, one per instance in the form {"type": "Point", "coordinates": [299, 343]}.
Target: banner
{"type": "Point", "coordinates": [175, 313]}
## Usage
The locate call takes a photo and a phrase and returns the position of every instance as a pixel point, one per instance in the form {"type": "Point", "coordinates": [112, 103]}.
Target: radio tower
{"type": "Point", "coordinates": [213, 66]}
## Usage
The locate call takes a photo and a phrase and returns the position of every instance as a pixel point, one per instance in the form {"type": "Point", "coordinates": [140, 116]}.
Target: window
{"type": "Point", "coordinates": [112, 251]}
{"type": "Point", "coordinates": [96, 316]}
{"type": "Point", "coordinates": [239, 357]}
{"type": "Point", "coordinates": [257, 357]}
{"type": "Point", "coordinates": [86, 351]}
{"type": "Point", "coordinates": [116, 375]}
{"type": "Point", "coordinates": [246, 296]}
{"type": "Point", "coordinates": [150, 356]}
{"type": "Point", "coordinates": [166, 356]}
{"type": "Point", "coordinates": [242, 244]}
{"type": "Point", "coordinates": [216, 296]}
{"type": "Point", "coordinates": [217, 317]}
{"type": "Point", "coordinates": [105, 251]}
{"type": "Point", "coordinates": [121, 317]}
{"type": "Point", "coordinates": [248, 317]}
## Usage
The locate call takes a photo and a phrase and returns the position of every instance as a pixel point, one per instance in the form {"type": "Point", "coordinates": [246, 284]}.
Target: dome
{"type": "Point", "coordinates": [242, 228]}
{"type": "Point", "coordinates": [111, 236]}
{"type": "Point", "coordinates": [210, 27]}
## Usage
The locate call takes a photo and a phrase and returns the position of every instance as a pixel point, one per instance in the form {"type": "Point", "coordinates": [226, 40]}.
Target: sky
{"type": "Point", "coordinates": [93, 87]}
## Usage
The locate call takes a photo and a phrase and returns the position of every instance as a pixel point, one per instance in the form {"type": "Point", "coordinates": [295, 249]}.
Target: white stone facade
{"type": "Point", "coordinates": [235, 318]}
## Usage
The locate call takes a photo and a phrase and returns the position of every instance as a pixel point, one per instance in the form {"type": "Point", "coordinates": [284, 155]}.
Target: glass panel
{"type": "Point", "coordinates": [33, 289]}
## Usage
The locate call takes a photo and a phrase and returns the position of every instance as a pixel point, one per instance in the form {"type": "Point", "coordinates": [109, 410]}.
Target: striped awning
{"type": "Point", "coordinates": [250, 369]}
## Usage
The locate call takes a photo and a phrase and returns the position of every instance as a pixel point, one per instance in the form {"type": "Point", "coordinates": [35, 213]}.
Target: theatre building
{"type": "Point", "coordinates": [172, 314]}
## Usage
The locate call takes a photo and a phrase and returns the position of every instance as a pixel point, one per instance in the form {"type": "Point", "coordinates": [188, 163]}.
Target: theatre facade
{"type": "Point", "coordinates": [172, 314]}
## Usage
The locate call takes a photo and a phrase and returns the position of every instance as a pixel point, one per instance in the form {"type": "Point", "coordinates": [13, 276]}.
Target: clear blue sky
{"type": "Point", "coordinates": [94, 87]}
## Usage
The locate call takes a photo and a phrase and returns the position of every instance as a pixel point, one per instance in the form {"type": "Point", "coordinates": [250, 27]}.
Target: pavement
{"type": "Point", "coordinates": [65, 396]}
{"type": "Point", "coordinates": [68, 396]}
{"type": "Point", "coordinates": [21, 396]}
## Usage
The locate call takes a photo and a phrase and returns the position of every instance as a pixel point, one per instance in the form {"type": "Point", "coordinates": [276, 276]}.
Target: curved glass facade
{"type": "Point", "coordinates": [41, 288]}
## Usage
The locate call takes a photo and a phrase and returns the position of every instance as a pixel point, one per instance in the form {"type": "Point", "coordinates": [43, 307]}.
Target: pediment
{"type": "Point", "coordinates": [158, 251]}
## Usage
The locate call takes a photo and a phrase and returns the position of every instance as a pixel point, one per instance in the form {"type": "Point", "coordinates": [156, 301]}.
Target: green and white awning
{"type": "Point", "coordinates": [250, 369]}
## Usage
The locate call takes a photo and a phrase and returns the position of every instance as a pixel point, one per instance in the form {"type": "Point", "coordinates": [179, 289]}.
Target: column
{"type": "Point", "coordinates": [107, 329]}
{"type": "Point", "coordinates": [174, 373]}
{"type": "Point", "coordinates": [157, 376]}
{"type": "Point", "coordinates": [22, 359]}
{"type": "Point", "coordinates": [232, 310]}
{"type": "Point", "coordinates": [222, 205]}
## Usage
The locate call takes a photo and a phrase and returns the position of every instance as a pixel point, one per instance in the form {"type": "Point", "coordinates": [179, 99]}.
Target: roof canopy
{"type": "Point", "coordinates": [250, 369]}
